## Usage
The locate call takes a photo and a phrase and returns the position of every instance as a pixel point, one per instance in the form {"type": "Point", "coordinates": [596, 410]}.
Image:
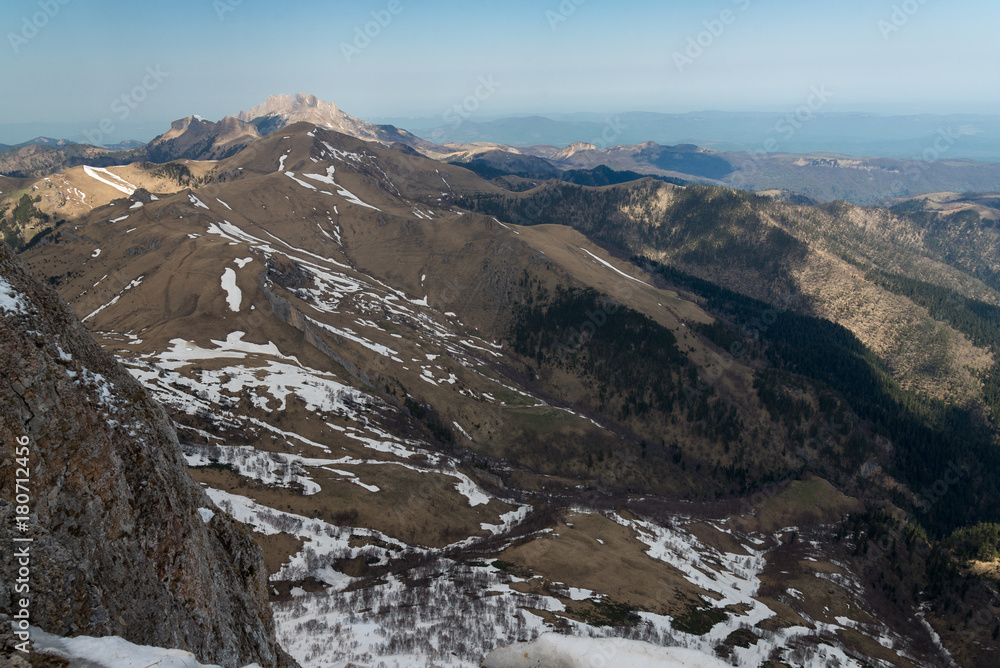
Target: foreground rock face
{"type": "Point", "coordinates": [125, 542]}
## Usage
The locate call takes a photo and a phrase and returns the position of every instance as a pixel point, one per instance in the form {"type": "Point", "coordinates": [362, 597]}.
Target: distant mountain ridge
{"type": "Point", "coordinates": [47, 141]}
{"type": "Point", "coordinates": [550, 147]}
{"type": "Point", "coordinates": [857, 134]}
{"type": "Point", "coordinates": [196, 138]}
{"type": "Point", "coordinates": [823, 176]}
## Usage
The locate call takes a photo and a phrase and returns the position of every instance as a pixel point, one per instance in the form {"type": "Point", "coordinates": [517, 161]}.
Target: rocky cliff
{"type": "Point", "coordinates": [123, 541]}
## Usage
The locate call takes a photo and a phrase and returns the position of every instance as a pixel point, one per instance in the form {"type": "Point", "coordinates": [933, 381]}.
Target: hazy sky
{"type": "Point", "coordinates": [216, 57]}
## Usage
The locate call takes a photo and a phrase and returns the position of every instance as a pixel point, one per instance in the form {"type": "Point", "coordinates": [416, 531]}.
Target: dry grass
{"type": "Point", "coordinates": [620, 568]}
{"type": "Point", "coordinates": [418, 508]}
{"type": "Point", "coordinates": [278, 549]}
{"type": "Point", "coordinates": [985, 569]}
{"type": "Point", "coordinates": [802, 503]}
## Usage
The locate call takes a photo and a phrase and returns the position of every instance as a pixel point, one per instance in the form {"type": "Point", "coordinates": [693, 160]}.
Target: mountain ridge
{"type": "Point", "coordinates": [822, 175]}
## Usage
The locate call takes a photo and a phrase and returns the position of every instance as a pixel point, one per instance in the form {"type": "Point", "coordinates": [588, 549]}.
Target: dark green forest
{"type": "Point", "coordinates": [929, 435]}
{"type": "Point", "coordinates": [633, 363]}
{"type": "Point", "coordinates": [23, 214]}
{"type": "Point", "coordinates": [599, 176]}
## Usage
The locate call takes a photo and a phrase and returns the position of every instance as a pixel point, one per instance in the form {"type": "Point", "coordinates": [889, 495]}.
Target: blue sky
{"type": "Point", "coordinates": [216, 57]}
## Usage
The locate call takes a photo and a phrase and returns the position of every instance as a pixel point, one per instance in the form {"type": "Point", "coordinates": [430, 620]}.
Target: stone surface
{"type": "Point", "coordinates": [119, 547]}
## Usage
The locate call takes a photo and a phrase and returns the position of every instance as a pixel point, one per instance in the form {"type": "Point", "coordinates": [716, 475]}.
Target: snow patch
{"type": "Point", "coordinates": [464, 433]}
{"type": "Point", "coordinates": [113, 652]}
{"type": "Point", "coordinates": [469, 489]}
{"type": "Point", "coordinates": [11, 301]}
{"type": "Point", "coordinates": [234, 296]}
{"type": "Point", "coordinates": [559, 651]}
{"type": "Point", "coordinates": [343, 192]}
{"type": "Point", "coordinates": [302, 183]}
{"type": "Point", "coordinates": [107, 178]}
{"type": "Point", "coordinates": [133, 284]}
{"type": "Point", "coordinates": [615, 269]}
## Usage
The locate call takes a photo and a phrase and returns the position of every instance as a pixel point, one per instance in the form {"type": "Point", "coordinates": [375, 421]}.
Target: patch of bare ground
{"type": "Point", "coordinates": [985, 569]}
{"type": "Point", "coordinates": [804, 502]}
{"type": "Point", "coordinates": [798, 588]}
{"type": "Point", "coordinates": [278, 549]}
{"type": "Point", "coordinates": [595, 553]}
{"type": "Point", "coordinates": [416, 507]}
{"type": "Point", "coordinates": [870, 648]}
{"type": "Point", "coordinates": [711, 536]}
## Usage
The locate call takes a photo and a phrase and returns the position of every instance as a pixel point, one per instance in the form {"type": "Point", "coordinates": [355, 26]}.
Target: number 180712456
{"type": "Point", "coordinates": [22, 493]}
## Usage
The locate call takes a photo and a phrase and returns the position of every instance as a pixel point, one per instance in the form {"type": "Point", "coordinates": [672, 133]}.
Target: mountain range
{"type": "Point", "coordinates": [498, 393]}
{"type": "Point", "coordinates": [544, 148]}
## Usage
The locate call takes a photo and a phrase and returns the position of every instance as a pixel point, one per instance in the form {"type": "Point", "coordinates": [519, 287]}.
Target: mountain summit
{"type": "Point", "coordinates": [279, 111]}
{"type": "Point", "coordinates": [292, 109]}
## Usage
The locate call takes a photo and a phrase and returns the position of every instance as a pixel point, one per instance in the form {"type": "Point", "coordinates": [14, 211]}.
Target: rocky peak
{"type": "Point", "coordinates": [292, 106]}
{"type": "Point", "coordinates": [573, 149]}
{"type": "Point", "coordinates": [280, 111]}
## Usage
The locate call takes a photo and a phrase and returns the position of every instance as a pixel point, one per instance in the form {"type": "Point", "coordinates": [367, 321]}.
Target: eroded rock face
{"type": "Point", "coordinates": [119, 545]}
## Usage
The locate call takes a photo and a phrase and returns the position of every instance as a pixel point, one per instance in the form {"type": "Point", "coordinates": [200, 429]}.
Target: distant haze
{"type": "Point", "coordinates": [927, 137]}
{"type": "Point", "coordinates": [79, 63]}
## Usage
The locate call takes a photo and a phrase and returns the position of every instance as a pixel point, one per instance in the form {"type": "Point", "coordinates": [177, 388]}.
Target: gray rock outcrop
{"type": "Point", "coordinates": [123, 542]}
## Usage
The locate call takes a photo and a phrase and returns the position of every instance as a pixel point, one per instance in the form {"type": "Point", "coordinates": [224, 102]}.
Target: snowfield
{"type": "Point", "coordinates": [113, 652]}
{"type": "Point", "coordinates": [558, 651]}
{"type": "Point", "coordinates": [107, 178]}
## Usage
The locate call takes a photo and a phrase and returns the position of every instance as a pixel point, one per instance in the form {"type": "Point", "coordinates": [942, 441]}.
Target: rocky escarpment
{"type": "Point", "coordinates": [124, 542]}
